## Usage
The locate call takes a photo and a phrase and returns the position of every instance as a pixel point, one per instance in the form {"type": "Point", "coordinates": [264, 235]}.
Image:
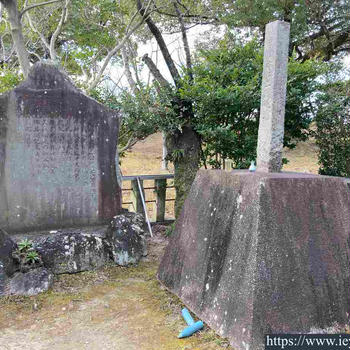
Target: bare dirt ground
{"type": "Point", "coordinates": [111, 308]}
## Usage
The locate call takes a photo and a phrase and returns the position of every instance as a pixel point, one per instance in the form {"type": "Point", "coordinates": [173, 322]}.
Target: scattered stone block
{"type": "Point", "coordinates": [30, 283]}
{"type": "Point", "coordinates": [127, 237]}
{"type": "Point", "coordinates": [70, 251]}
{"type": "Point", "coordinates": [57, 155]}
{"type": "Point", "coordinates": [7, 246]}
{"type": "Point", "coordinates": [73, 250]}
{"type": "Point", "coordinates": [257, 253]}
{"type": "Point", "coordinates": [3, 278]}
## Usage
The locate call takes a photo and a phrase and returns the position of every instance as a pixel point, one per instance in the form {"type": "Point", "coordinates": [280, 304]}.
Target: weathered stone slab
{"type": "Point", "coordinates": [257, 253]}
{"type": "Point", "coordinates": [57, 155]}
{"type": "Point", "coordinates": [273, 97]}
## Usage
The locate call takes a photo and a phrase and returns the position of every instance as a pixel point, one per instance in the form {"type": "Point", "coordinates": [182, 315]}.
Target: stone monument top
{"type": "Point", "coordinates": [47, 76]}
{"type": "Point", "coordinates": [273, 97]}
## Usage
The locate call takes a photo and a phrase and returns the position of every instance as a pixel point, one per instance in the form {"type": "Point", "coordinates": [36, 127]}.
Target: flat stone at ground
{"type": "Point", "coordinates": [256, 253]}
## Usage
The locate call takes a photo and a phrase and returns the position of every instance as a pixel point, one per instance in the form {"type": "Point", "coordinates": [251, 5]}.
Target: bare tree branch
{"type": "Point", "coordinates": [37, 5]}
{"type": "Point", "coordinates": [155, 72]}
{"type": "Point", "coordinates": [184, 40]}
{"type": "Point", "coordinates": [35, 30]}
{"type": "Point", "coordinates": [112, 52]}
{"type": "Point", "coordinates": [131, 142]}
{"type": "Point", "coordinates": [133, 62]}
{"type": "Point", "coordinates": [116, 84]}
{"type": "Point", "coordinates": [163, 47]}
{"type": "Point", "coordinates": [127, 71]}
{"type": "Point", "coordinates": [208, 20]}
{"type": "Point", "coordinates": [179, 31]}
{"type": "Point", "coordinates": [54, 36]}
{"type": "Point", "coordinates": [35, 54]}
{"type": "Point", "coordinates": [17, 34]}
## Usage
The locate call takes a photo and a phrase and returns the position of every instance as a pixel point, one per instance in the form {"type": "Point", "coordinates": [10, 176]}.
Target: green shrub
{"type": "Point", "coordinates": [26, 256]}
{"type": "Point", "coordinates": [170, 229]}
{"type": "Point", "coordinates": [32, 257]}
{"type": "Point", "coordinates": [9, 78]}
{"type": "Point", "coordinates": [333, 130]}
{"type": "Point", "coordinates": [25, 245]}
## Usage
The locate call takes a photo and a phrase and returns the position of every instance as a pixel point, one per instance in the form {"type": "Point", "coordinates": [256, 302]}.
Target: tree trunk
{"type": "Point", "coordinates": [164, 152]}
{"type": "Point", "coordinates": [17, 35]}
{"type": "Point", "coordinates": [185, 165]}
{"type": "Point", "coordinates": [184, 146]}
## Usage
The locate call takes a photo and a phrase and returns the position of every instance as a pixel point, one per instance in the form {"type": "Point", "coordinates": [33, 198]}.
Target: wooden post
{"type": "Point", "coordinates": [160, 189]}
{"type": "Point", "coordinates": [136, 196]}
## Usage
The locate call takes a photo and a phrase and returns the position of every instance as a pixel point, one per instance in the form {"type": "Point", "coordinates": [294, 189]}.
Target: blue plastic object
{"type": "Point", "coordinates": [187, 316]}
{"type": "Point", "coordinates": [252, 167]}
{"type": "Point", "coordinates": [191, 329]}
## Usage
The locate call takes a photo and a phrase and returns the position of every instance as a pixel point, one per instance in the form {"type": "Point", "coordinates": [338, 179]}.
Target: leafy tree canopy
{"type": "Point", "coordinates": [222, 89]}
{"type": "Point", "coordinates": [333, 129]}
{"type": "Point", "coordinates": [226, 94]}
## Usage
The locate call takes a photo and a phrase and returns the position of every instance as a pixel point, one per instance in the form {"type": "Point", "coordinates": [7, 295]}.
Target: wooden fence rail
{"type": "Point", "coordinates": [160, 187]}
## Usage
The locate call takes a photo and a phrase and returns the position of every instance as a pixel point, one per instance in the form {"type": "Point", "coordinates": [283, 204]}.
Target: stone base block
{"type": "Point", "coordinates": [256, 253]}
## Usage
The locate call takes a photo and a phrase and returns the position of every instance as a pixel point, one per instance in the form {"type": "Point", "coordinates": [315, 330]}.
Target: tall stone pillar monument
{"type": "Point", "coordinates": [264, 252]}
{"type": "Point", "coordinates": [273, 97]}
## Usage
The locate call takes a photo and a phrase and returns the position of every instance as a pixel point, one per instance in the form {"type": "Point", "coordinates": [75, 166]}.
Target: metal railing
{"type": "Point", "coordinates": [160, 188]}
